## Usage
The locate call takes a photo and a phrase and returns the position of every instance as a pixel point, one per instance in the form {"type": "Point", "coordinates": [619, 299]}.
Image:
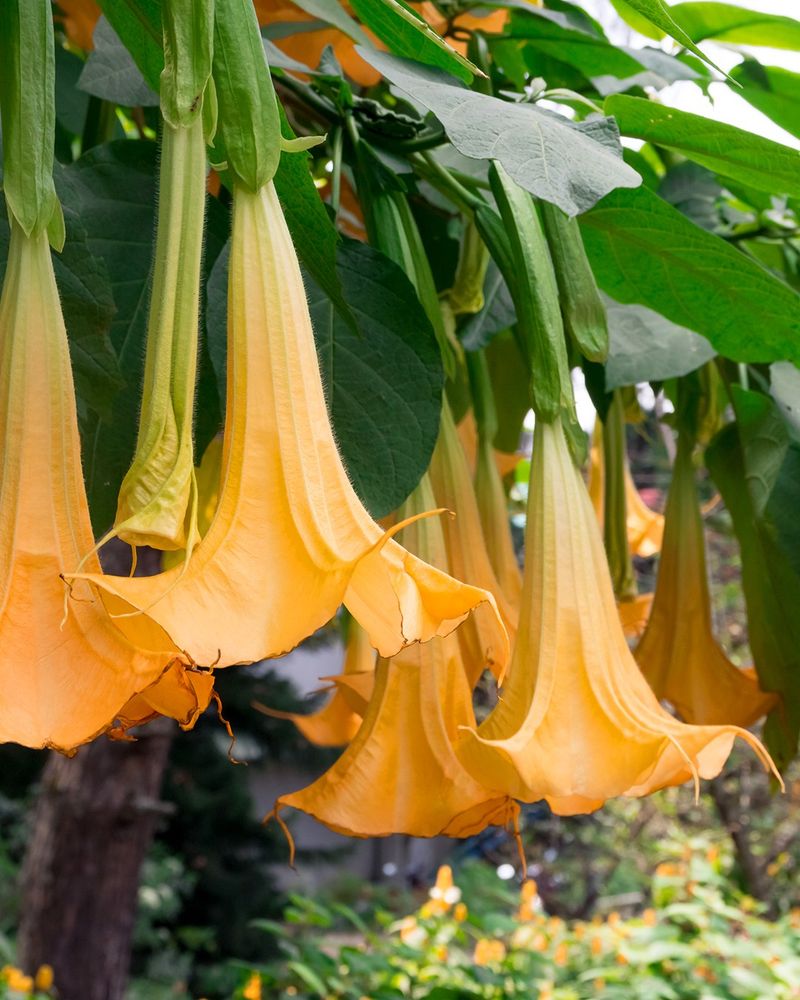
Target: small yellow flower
{"type": "Point", "coordinates": [44, 978]}
{"type": "Point", "coordinates": [561, 955]}
{"type": "Point", "coordinates": [597, 946]}
{"type": "Point", "coordinates": [488, 950]}
{"type": "Point", "coordinates": [650, 917]}
{"type": "Point", "coordinates": [460, 912]}
{"type": "Point", "coordinates": [252, 989]}
{"type": "Point", "coordinates": [16, 979]}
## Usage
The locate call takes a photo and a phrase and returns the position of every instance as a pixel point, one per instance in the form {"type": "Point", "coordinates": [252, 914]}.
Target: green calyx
{"type": "Point", "coordinates": [520, 250]}
{"type": "Point", "coordinates": [466, 295]}
{"type": "Point", "coordinates": [615, 512]}
{"type": "Point", "coordinates": [188, 34]}
{"type": "Point", "coordinates": [27, 105]}
{"type": "Point", "coordinates": [157, 503]}
{"type": "Point", "coordinates": [248, 107]}
{"type": "Point", "coordinates": [582, 308]}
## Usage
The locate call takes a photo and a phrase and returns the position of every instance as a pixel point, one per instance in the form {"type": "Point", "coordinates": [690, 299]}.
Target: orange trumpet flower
{"type": "Point", "coordinates": [577, 723]}
{"type": "Point", "coordinates": [62, 686]}
{"type": "Point", "coordinates": [290, 540]}
{"type": "Point", "coordinates": [678, 653]}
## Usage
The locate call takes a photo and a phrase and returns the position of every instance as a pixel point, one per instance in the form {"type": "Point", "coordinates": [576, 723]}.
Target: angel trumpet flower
{"type": "Point", "coordinates": [678, 653]}
{"type": "Point", "coordinates": [337, 722]}
{"type": "Point", "coordinates": [180, 693]}
{"type": "Point", "coordinates": [61, 686]}
{"type": "Point", "coordinates": [577, 723]}
{"type": "Point", "coordinates": [401, 774]}
{"type": "Point", "coordinates": [290, 540]}
{"type": "Point", "coordinates": [467, 557]}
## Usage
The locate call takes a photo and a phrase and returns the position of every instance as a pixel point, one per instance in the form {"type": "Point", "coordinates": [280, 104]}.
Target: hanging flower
{"type": "Point", "coordinates": [180, 693]}
{"type": "Point", "coordinates": [63, 685]}
{"type": "Point", "coordinates": [290, 540]}
{"type": "Point", "coordinates": [645, 526]}
{"type": "Point", "coordinates": [400, 773]}
{"type": "Point", "coordinates": [337, 722]}
{"type": "Point", "coordinates": [577, 723]}
{"type": "Point", "coordinates": [678, 653]}
{"type": "Point", "coordinates": [467, 558]}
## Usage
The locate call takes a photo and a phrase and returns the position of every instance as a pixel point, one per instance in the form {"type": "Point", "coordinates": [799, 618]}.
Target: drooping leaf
{"type": "Point", "coordinates": [727, 22]}
{"type": "Point", "coordinates": [637, 21]}
{"type": "Point", "coordinates": [662, 16]}
{"type": "Point", "coordinates": [408, 35]}
{"type": "Point", "coordinates": [138, 24]}
{"type": "Point", "coordinates": [383, 380]}
{"type": "Point", "coordinates": [111, 74]}
{"type": "Point", "coordinates": [745, 460]}
{"type": "Point", "coordinates": [773, 90]}
{"type": "Point", "coordinates": [552, 33]}
{"type": "Point", "coordinates": [644, 251]}
{"type": "Point", "coordinates": [725, 149]}
{"type": "Point", "coordinates": [646, 347]}
{"type": "Point", "coordinates": [571, 165]}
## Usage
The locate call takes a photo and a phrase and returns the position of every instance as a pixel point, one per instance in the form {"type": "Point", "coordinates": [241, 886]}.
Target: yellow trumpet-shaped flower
{"type": "Point", "coordinates": [678, 653]}
{"type": "Point", "coordinates": [401, 774]}
{"type": "Point", "coordinates": [337, 722]}
{"type": "Point", "coordinates": [481, 636]}
{"type": "Point", "coordinates": [290, 540]}
{"type": "Point", "coordinates": [645, 526]}
{"type": "Point", "coordinates": [577, 723]}
{"type": "Point", "coordinates": [62, 686]}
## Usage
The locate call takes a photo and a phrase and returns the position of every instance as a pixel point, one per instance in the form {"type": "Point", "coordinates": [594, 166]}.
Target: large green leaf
{"type": "Point", "coordinates": [746, 459]}
{"type": "Point", "coordinates": [644, 251]}
{"type": "Point", "coordinates": [138, 24]}
{"type": "Point", "coordinates": [384, 379]}
{"type": "Point", "coordinates": [662, 16]}
{"type": "Point", "coordinates": [571, 165]}
{"type": "Point", "coordinates": [763, 164]}
{"type": "Point", "coordinates": [646, 347]}
{"type": "Point", "coordinates": [406, 34]}
{"type": "Point", "coordinates": [726, 22]}
{"type": "Point", "coordinates": [785, 389]}
{"type": "Point", "coordinates": [552, 33]}
{"type": "Point", "coordinates": [111, 74]}
{"type": "Point", "coordinates": [774, 90]}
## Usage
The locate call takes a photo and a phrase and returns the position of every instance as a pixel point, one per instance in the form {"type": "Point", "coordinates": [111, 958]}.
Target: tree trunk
{"type": "Point", "coordinates": [93, 824]}
{"type": "Point", "coordinates": [92, 827]}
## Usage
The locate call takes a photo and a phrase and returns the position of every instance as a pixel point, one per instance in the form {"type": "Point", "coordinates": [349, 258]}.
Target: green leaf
{"type": "Point", "coordinates": [571, 165]}
{"type": "Point", "coordinates": [637, 21]}
{"type": "Point", "coordinates": [384, 379]}
{"type": "Point", "coordinates": [725, 22]}
{"type": "Point", "coordinates": [765, 165]}
{"type": "Point", "coordinates": [138, 24]}
{"type": "Point", "coordinates": [662, 16]}
{"type": "Point", "coordinates": [646, 347]}
{"type": "Point", "coordinates": [554, 34]}
{"type": "Point", "coordinates": [332, 12]}
{"type": "Point", "coordinates": [785, 389]}
{"type": "Point", "coordinates": [745, 460]}
{"type": "Point", "coordinates": [644, 251]}
{"type": "Point", "coordinates": [511, 388]}
{"type": "Point", "coordinates": [773, 90]}
{"type": "Point", "coordinates": [406, 34]}
{"type": "Point", "coordinates": [111, 74]}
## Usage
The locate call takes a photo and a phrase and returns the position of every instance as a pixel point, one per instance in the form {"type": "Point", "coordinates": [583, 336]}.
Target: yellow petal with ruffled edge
{"type": "Point", "coordinates": [400, 774]}
{"type": "Point", "coordinates": [61, 686]}
{"type": "Point", "coordinates": [678, 653]}
{"type": "Point", "coordinates": [290, 540]}
{"type": "Point", "coordinates": [577, 723]}
{"type": "Point", "coordinates": [181, 693]}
